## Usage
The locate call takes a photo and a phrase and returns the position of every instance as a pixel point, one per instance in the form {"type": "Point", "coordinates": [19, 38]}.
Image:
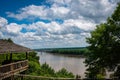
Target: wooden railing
{"type": "Point", "coordinates": [13, 68]}
{"type": "Point", "coordinates": [31, 77]}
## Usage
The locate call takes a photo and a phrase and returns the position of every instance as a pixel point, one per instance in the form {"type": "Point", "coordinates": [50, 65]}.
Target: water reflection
{"type": "Point", "coordinates": [71, 63]}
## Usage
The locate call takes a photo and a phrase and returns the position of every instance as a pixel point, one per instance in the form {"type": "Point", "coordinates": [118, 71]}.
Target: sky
{"type": "Point", "coordinates": [52, 23]}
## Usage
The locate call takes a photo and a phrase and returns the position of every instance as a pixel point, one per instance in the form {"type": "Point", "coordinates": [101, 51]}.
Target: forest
{"type": "Point", "coordinates": [81, 51]}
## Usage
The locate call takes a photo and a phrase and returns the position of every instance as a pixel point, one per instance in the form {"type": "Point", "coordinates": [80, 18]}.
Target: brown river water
{"type": "Point", "coordinates": [71, 63]}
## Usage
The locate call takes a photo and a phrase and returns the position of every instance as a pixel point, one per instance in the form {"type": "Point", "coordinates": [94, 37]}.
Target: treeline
{"type": "Point", "coordinates": [71, 51]}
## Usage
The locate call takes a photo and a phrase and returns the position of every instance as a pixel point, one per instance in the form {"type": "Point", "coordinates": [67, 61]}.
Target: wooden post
{"type": "Point", "coordinates": [12, 77]}
{"type": "Point", "coordinates": [21, 77]}
{"type": "Point", "coordinates": [26, 55]}
{"type": "Point", "coordinates": [11, 69]}
{"type": "Point", "coordinates": [6, 56]}
{"type": "Point", "coordinates": [10, 57]}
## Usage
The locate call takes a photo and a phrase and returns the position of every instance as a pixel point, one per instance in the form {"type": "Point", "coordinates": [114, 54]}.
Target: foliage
{"type": "Point", "coordinates": [34, 65]}
{"type": "Point", "coordinates": [46, 70]}
{"type": "Point", "coordinates": [18, 56]}
{"type": "Point", "coordinates": [9, 40]}
{"type": "Point", "coordinates": [33, 68]}
{"type": "Point", "coordinates": [117, 73]}
{"type": "Point", "coordinates": [2, 58]}
{"type": "Point", "coordinates": [101, 77]}
{"type": "Point", "coordinates": [33, 57]}
{"type": "Point", "coordinates": [64, 73]}
{"type": "Point", "coordinates": [104, 46]}
{"type": "Point", "coordinates": [72, 51]}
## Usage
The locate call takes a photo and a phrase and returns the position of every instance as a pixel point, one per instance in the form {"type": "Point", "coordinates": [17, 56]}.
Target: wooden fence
{"type": "Point", "coordinates": [31, 77]}
{"type": "Point", "coordinates": [13, 68]}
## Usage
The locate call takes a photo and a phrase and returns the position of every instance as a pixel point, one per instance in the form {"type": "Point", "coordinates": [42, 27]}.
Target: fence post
{"type": "Point", "coordinates": [11, 67]}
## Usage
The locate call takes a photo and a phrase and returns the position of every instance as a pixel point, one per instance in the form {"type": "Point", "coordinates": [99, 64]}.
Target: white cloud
{"type": "Point", "coordinates": [65, 34]}
{"type": "Point", "coordinates": [59, 12]}
{"type": "Point", "coordinates": [80, 24]}
{"type": "Point", "coordinates": [60, 1]}
{"type": "Point", "coordinates": [3, 22]}
{"type": "Point", "coordinates": [40, 12]}
{"type": "Point", "coordinates": [67, 27]}
{"type": "Point", "coordinates": [29, 12]}
{"type": "Point", "coordinates": [14, 28]}
{"type": "Point", "coordinates": [29, 36]}
{"type": "Point", "coordinates": [79, 18]}
{"type": "Point", "coordinates": [1, 35]}
{"type": "Point", "coordinates": [96, 10]}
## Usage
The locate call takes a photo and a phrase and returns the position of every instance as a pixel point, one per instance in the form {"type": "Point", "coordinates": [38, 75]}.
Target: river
{"type": "Point", "coordinates": [70, 63]}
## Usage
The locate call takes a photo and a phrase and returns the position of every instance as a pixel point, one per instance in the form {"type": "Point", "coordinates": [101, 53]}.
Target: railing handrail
{"type": "Point", "coordinates": [43, 77]}
{"type": "Point", "coordinates": [13, 63]}
{"type": "Point", "coordinates": [13, 68]}
{"type": "Point", "coordinates": [59, 78]}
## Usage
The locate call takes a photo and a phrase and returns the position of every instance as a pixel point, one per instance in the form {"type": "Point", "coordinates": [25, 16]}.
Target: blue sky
{"type": "Point", "coordinates": [52, 23]}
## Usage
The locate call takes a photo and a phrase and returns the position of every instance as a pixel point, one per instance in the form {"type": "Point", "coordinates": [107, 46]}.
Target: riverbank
{"type": "Point", "coordinates": [68, 55]}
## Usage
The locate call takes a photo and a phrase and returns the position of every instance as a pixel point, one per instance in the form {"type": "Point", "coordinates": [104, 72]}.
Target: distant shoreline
{"type": "Point", "coordinates": [69, 55]}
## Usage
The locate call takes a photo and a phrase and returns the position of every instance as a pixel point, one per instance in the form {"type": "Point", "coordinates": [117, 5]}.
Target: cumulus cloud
{"type": "Point", "coordinates": [67, 27]}
{"type": "Point", "coordinates": [28, 12]}
{"type": "Point", "coordinates": [29, 36]}
{"type": "Point", "coordinates": [14, 28]}
{"type": "Point", "coordinates": [84, 25]}
{"type": "Point", "coordinates": [96, 10]}
{"type": "Point", "coordinates": [3, 22]}
{"type": "Point", "coordinates": [68, 33]}
{"type": "Point", "coordinates": [41, 12]}
{"type": "Point", "coordinates": [78, 19]}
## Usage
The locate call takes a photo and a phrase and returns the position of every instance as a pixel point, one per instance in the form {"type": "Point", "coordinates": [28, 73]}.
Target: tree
{"type": "Point", "coordinates": [46, 71]}
{"type": "Point", "coordinates": [9, 40]}
{"type": "Point", "coordinates": [64, 73]}
{"type": "Point", "coordinates": [104, 46]}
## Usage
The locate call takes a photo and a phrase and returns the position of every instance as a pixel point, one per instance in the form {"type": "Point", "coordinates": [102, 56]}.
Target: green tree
{"type": "Point", "coordinates": [33, 68]}
{"type": "Point", "coordinates": [64, 73]}
{"type": "Point", "coordinates": [46, 71]}
{"type": "Point", "coordinates": [104, 46]}
{"type": "Point", "coordinates": [9, 40]}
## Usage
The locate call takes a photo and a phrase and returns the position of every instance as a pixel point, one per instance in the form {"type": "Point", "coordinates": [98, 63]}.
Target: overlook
{"type": "Point", "coordinates": [59, 39]}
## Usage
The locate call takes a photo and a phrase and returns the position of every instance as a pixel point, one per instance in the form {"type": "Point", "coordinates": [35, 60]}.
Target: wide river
{"type": "Point", "coordinates": [57, 61]}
